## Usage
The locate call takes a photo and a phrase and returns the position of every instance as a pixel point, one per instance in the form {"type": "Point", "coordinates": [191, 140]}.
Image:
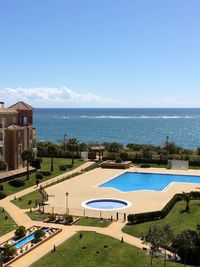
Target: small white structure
{"type": "Point", "coordinates": [84, 155]}
{"type": "Point", "coordinates": [178, 164]}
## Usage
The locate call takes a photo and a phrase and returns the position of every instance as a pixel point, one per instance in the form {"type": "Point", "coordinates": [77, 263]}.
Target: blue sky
{"type": "Point", "coordinates": [100, 53]}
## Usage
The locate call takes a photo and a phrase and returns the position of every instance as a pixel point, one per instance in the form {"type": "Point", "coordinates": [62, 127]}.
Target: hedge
{"type": "Point", "coordinates": [2, 194]}
{"type": "Point", "coordinates": [17, 182]}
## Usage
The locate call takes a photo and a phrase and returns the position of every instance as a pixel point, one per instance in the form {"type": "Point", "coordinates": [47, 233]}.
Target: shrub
{"type": "Point", "coordinates": [124, 156]}
{"type": "Point", "coordinates": [29, 202]}
{"type": "Point", "coordinates": [36, 163]}
{"type": "Point", "coordinates": [39, 234]}
{"type": "Point", "coordinates": [118, 160]}
{"type": "Point", "coordinates": [1, 187]}
{"type": "Point", "coordinates": [52, 217]}
{"type": "Point", "coordinates": [39, 175]}
{"type": "Point", "coordinates": [145, 166]}
{"type": "Point", "coordinates": [17, 182]}
{"type": "Point", "coordinates": [2, 194]}
{"type": "Point", "coordinates": [20, 231]}
{"type": "Point", "coordinates": [3, 166]}
{"type": "Point", "coordinates": [45, 173]}
{"type": "Point", "coordinates": [68, 219]}
{"type": "Point", "coordinates": [62, 168]}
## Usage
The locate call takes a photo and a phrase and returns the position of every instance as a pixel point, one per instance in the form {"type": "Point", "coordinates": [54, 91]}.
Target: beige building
{"type": "Point", "coordinates": [16, 133]}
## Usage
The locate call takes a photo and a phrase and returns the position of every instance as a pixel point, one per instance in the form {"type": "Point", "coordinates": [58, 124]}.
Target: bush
{"type": "Point", "coordinates": [145, 166]}
{"type": "Point", "coordinates": [124, 156]}
{"type": "Point", "coordinates": [39, 175]}
{"type": "Point", "coordinates": [20, 232]}
{"type": "Point", "coordinates": [68, 219]}
{"type": "Point", "coordinates": [2, 194]}
{"type": "Point", "coordinates": [45, 173]}
{"type": "Point", "coordinates": [29, 202]}
{"type": "Point", "coordinates": [39, 234]}
{"type": "Point", "coordinates": [52, 217]}
{"type": "Point", "coordinates": [118, 160]}
{"type": "Point", "coordinates": [36, 163]}
{"type": "Point", "coordinates": [17, 182]}
{"type": "Point", "coordinates": [62, 168]}
{"type": "Point", "coordinates": [1, 187]}
{"type": "Point", "coordinates": [3, 166]}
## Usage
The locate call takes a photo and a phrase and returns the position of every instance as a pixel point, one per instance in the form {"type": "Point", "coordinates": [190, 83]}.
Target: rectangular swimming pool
{"type": "Point", "coordinates": [135, 181]}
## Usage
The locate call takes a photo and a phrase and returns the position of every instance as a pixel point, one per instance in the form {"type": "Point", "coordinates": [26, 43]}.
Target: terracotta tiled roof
{"type": "Point", "coordinates": [21, 106]}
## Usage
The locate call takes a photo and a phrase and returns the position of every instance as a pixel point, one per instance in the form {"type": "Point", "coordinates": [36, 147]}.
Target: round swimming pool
{"type": "Point", "coordinates": [106, 204]}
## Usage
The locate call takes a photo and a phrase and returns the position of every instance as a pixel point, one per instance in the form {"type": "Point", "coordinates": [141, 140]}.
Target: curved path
{"type": "Point", "coordinates": [21, 218]}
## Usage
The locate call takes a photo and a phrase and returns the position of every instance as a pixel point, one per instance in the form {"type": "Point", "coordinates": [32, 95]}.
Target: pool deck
{"type": "Point", "coordinates": [85, 187]}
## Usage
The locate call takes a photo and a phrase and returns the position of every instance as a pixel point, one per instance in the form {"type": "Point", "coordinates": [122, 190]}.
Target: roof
{"type": "Point", "coordinates": [21, 106]}
{"type": "Point", "coordinates": [97, 148]}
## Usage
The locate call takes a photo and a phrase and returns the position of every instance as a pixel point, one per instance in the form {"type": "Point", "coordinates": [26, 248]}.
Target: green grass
{"type": "Point", "coordinates": [36, 216]}
{"type": "Point", "coordinates": [76, 252]}
{"type": "Point", "coordinates": [23, 202]}
{"type": "Point", "coordinates": [177, 218]}
{"type": "Point", "coordinates": [45, 166]}
{"type": "Point", "coordinates": [93, 222]}
{"type": "Point", "coordinates": [6, 225]}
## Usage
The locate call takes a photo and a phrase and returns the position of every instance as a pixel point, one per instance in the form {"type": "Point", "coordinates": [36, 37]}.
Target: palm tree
{"type": "Point", "coordinates": [52, 152]}
{"type": "Point", "coordinates": [27, 155]}
{"type": "Point", "coordinates": [186, 197]}
{"type": "Point", "coordinates": [155, 238]}
{"type": "Point", "coordinates": [72, 145]}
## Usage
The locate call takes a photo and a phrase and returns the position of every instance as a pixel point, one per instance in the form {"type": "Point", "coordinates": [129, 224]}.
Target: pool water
{"type": "Point", "coordinates": [131, 181]}
{"type": "Point", "coordinates": [27, 239]}
{"type": "Point", "coordinates": [105, 204]}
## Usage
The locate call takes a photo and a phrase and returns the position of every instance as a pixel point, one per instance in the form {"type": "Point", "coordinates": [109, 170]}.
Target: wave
{"type": "Point", "coordinates": [126, 117]}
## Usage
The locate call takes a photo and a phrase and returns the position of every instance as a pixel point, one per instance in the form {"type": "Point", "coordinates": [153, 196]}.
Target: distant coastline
{"type": "Point", "coordinates": [123, 125]}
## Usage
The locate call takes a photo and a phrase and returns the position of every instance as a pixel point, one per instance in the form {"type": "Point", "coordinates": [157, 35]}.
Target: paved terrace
{"type": "Point", "coordinates": [21, 218]}
{"type": "Point", "coordinates": [82, 183]}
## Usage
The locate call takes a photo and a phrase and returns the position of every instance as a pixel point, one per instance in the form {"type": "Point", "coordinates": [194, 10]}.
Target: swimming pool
{"type": "Point", "coordinates": [106, 204]}
{"type": "Point", "coordinates": [27, 239]}
{"type": "Point", "coordinates": [132, 181]}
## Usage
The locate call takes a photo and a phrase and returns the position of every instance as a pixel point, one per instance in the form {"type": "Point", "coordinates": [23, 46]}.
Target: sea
{"type": "Point", "coordinates": [123, 125]}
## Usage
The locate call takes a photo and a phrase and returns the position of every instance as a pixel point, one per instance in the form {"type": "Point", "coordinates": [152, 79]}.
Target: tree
{"type": "Point", "coordinates": [188, 243]}
{"type": "Point", "coordinates": [72, 146]}
{"type": "Point", "coordinates": [20, 232]}
{"type": "Point", "coordinates": [27, 155]}
{"type": "Point", "coordinates": [39, 234]}
{"type": "Point", "coordinates": [52, 152]}
{"type": "Point", "coordinates": [155, 238]}
{"type": "Point", "coordinates": [8, 252]}
{"type": "Point", "coordinates": [147, 152]}
{"type": "Point", "coordinates": [186, 197]}
{"type": "Point", "coordinates": [166, 238]}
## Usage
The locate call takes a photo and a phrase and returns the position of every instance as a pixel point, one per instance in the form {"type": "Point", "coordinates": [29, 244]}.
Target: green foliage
{"type": "Point", "coordinates": [62, 168]}
{"type": "Point", "coordinates": [39, 175]}
{"type": "Point", "coordinates": [20, 232]}
{"type": "Point", "coordinates": [2, 194]}
{"type": "Point", "coordinates": [186, 197]}
{"type": "Point", "coordinates": [187, 244]}
{"type": "Point", "coordinates": [18, 182]}
{"type": "Point", "coordinates": [68, 218]}
{"type": "Point", "coordinates": [8, 252]}
{"type": "Point", "coordinates": [38, 234]}
{"type": "Point", "coordinates": [118, 160]}
{"type": "Point", "coordinates": [1, 187]}
{"type": "Point", "coordinates": [124, 156]}
{"type": "Point", "coordinates": [36, 163]}
{"type": "Point", "coordinates": [52, 217]}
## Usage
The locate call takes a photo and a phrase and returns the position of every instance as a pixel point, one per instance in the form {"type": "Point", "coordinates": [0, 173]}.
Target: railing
{"type": "Point", "coordinates": [112, 215]}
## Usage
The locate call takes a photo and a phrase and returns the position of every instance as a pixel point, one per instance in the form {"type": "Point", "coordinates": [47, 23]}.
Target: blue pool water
{"type": "Point", "coordinates": [106, 204]}
{"type": "Point", "coordinates": [147, 181]}
{"type": "Point", "coordinates": [26, 239]}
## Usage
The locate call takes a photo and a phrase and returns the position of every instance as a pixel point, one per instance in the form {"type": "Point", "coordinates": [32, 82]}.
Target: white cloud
{"type": "Point", "coordinates": [53, 97]}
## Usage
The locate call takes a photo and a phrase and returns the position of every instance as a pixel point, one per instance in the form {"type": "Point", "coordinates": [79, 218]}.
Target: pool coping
{"type": "Point", "coordinates": [84, 204]}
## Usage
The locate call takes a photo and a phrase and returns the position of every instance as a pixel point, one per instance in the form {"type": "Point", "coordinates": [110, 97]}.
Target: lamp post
{"type": "Point", "coordinates": [67, 194]}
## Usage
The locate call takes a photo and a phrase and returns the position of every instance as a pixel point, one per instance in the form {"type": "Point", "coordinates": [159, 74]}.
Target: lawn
{"type": "Point", "coordinates": [36, 216]}
{"type": "Point", "coordinates": [28, 201]}
{"type": "Point", "coordinates": [177, 218]}
{"type": "Point", "coordinates": [93, 222]}
{"type": "Point", "coordinates": [97, 250]}
{"type": "Point", "coordinates": [7, 224]}
{"type": "Point", "coordinates": [45, 166]}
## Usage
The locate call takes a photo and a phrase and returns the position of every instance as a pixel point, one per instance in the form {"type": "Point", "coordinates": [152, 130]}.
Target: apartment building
{"type": "Point", "coordinates": [16, 133]}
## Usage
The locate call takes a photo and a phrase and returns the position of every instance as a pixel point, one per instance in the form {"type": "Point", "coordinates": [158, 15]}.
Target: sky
{"type": "Point", "coordinates": [100, 53]}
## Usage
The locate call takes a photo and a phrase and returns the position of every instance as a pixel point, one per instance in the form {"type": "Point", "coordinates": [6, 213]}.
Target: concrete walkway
{"type": "Point", "coordinates": [21, 218]}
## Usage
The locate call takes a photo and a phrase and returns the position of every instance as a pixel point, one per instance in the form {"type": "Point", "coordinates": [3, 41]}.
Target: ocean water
{"type": "Point", "coordinates": [129, 125]}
